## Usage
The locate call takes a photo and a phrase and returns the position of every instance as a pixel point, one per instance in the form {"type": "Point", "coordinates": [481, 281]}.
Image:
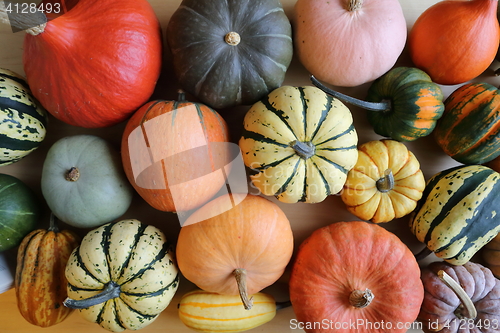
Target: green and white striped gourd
{"type": "Point", "coordinates": [23, 120]}
{"type": "Point", "coordinates": [459, 212]}
{"type": "Point", "coordinates": [122, 276]}
{"type": "Point", "coordinates": [300, 142]}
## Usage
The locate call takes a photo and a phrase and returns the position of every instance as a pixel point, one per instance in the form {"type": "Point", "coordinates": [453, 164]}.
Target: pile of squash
{"type": "Point", "coordinates": [296, 145]}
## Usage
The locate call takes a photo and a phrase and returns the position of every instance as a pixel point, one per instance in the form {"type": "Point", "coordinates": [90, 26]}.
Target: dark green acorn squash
{"type": "Point", "coordinates": [469, 130]}
{"type": "Point", "coordinates": [23, 120]}
{"type": "Point", "coordinates": [232, 52]}
{"type": "Point", "coordinates": [19, 211]}
{"type": "Point", "coordinates": [403, 104]}
{"type": "Point", "coordinates": [458, 213]}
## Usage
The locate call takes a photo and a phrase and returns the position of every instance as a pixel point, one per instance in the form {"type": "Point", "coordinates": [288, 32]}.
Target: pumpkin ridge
{"type": "Point", "coordinates": [328, 190]}
{"type": "Point", "coordinates": [159, 256]}
{"type": "Point", "coordinates": [282, 115]}
{"type": "Point", "coordinates": [259, 137]}
{"type": "Point", "coordinates": [137, 236]}
{"type": "Point", "coordinates": [82, 265]}
{"type": "Point", "coordinates": [293, 174]}
{"type": "Point", "coordinates": [273, 164]}
{"type": "Point", "coordinates": [348, 130]}
{"type": "Point", "coordinates": [324, 115]}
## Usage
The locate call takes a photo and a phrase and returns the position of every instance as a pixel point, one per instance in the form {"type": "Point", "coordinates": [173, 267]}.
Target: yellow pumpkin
{"type": "Point", "coordinates": [385, 183]}
{"type": "Point", "coordinates": [206, 311]}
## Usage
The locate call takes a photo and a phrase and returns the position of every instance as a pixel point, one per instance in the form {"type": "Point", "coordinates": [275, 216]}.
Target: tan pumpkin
{"type": "Point", "coordinates": [385, 183]}
{"type": "Point", "coordinates": [491, 255]}
{"type": "Point", "coordinates": [237, 251]}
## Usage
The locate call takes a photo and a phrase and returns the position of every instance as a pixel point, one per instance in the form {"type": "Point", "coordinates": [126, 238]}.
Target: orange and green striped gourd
{"type": "Point", "coordinates": [469, 130]}
{"type": "Point", "coordinates": [403, 104]}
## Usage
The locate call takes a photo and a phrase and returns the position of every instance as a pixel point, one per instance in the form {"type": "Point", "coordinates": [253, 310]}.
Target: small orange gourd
{"type": "Point", "coordinates": [239, 251]}
{"type": "Point", "coordinates": [455, 41]}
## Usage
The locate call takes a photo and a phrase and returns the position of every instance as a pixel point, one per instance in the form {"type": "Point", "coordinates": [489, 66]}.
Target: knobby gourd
{"type": "Point", "coordinates": [40, 282]}
{"type": "Point", "coordinates": [458, 213]}
{"type": "Point", "coordinates": [459, 298]}
{"type": "Point", "coordinates": [386, 182]}
{"type": "Point", "coordinates": [403, 104]}
{"type": "Point", "coordinates": [23, 121]}
{"type": "Point", "coordinates": [355, 272]}
{"type": "Point", "coordinates": [235, 245]}
{"type": "Point", "coordinates": [174, 153]}
{"type": "Point", "coordinates": [299, 144]}
{"type": "Point", "coordinates": [122, 276]}
{"type": "Point", "coordinates": [228, 53]}
{"type": "Point", "coordinates": [348, 42]}
{"type": "Point", "coordinates": [455, 41]}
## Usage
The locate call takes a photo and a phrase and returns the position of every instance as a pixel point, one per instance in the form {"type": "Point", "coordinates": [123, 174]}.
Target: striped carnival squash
{"type": "Point", "coordinates": [122, 276]}
{"type": "Point", "coordinates": [205, 311]}
{"type": "Point", "coordinates": [40, 281]}
{"type": "Point", "coordinates": [300, 142]}
{"type": "Point", "coordinates": [19, 211]}
{"type": "Point", "coordinates": [385, 183]}
{"type": "Point", "coordinates": [171, 150]}
{"type": "Point", "coordinates": [23, 120]}
{"type": "Point", "coordinates": [458, 213]}
{"type": "Point", "coordinates": [403, 104]}
{"type": "Point", "coordinates": [469, 130]}
{"type": "Point", "coordinates": [231, 52]}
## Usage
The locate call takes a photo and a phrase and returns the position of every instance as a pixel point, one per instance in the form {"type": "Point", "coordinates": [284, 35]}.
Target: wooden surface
{"type": "Point", "coordinates": [305, 218]}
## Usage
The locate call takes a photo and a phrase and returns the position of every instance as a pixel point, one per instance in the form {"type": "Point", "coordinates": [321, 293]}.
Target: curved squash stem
{"type": "Point", "coordinates": [361, 298]}
{"type": "Point", "coordinates": [460, 292]}
{"type": "Point", "coordinates": [386, 183]}
{"type": "Point", "coordinates": [241, 279]}
{"type": "Point", "coordinates": [423, 254]}
{"type": "Point", "coordinates": [110, 291]}
{"type": "Point", "coordinates": [283, 305]}
{"type": "Point", "coordinates": [53, 224]}
{"type": "Point", "coordinates": [20, 21]}
{"type": "Point", "coordinates": [371, 106]}
{"type": "Point", "coordinates": [303, 149]}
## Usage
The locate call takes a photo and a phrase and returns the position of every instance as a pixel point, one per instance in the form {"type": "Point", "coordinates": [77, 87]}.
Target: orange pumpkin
{"type": "Point", "coordinates": [239, 250]}
{"type": "Point", "coordinates": [354, 276]}
{"type": "Point", "coordinates": [455, 41]}
{"type": "Point", "coordinates": [348, 42]}
{"type": "Point", "coordinates": [170, 152]}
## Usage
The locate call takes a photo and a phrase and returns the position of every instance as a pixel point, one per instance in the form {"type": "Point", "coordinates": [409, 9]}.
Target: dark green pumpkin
{"type": "Point", "coordinates": [459, 212]}
{"type": "Point", "coordinates": [403, 104]}
{"type": "Point", "coordinates": [213, 65]}
{"type": "Point", "coordinates": [23, 120]}
{"type": "Point", "coordinates": [19, 211]}
{"type": "Point", "coordinates": [469, 130]}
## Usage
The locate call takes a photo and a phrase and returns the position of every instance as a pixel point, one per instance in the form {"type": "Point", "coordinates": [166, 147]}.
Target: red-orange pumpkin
{"type": "Point", "coordinates": [96, 64]}
{"type": "Point", "coordinates": [243, 248]}
{"type": "Point", "coordinates": [455, 41]}
{"type": "Point", "coordinates": [170, 152]}
{"type": "Point", "coordinates": [355, 276]}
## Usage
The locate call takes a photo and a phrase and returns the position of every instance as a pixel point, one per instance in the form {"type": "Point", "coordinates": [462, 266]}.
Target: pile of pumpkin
{"type": "Point", "coordinates": [299, 143]}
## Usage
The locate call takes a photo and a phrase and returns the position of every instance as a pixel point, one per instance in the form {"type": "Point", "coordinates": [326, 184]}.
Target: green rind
{"type": "Point", "coordinates": [19, 211]}
{"type": "Point", "coordinates": [402, 86]}
{"type": "Point", "coordinates": [473, 138]}
{"type": "Point", "coordinates": [480, 227]}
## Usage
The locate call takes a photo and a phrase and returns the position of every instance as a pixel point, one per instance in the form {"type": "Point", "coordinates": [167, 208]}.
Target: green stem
{"type": "Point", "coordinates": [303, 149]}
{"type": "Point", "coordinates": [52, 223]}
{"type": "Point", "coordinates": [386, 183]}
{"type": "Point", "coordinates": [110, 291]}
{"type": "Point", "coordinates": [423, 254]}
{"type": "Point", "coordinates": [371, 106]}
{"type": "Point", "coordinates": [283, 305]}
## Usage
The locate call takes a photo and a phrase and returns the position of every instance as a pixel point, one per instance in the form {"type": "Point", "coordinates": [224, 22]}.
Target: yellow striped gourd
{"type": "Point", "coordinates": [205, 311]}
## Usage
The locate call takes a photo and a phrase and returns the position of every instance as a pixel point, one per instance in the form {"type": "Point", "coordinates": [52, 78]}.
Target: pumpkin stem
{"type": "Point", "coordinates": [354, 5]}
{"type": "Point", "coordinates": [52, 223]}
{"type": "Point", "coordinates": [303, 149]}
{"type": "Point", "coordinates": [241, 279]}
{"type": "Point", "coordinates": [371, 106]}
{"type": "Point", "coordinates": [232, 38]}
{"type": "Point", "coordinates": [361, 298]}
{"type": "Point", "coordinates": [461, 294]}
{"type": "Point", "coordinates": [283, 305]}
{"type": "Point", "coordinates": [110, 291]}
{"type": "Point", "coordinates": [386, 183]}
{"type": "Point", "coordinates": [37, 21]}
{"type": "Point", "coordinates": [72, 174]}
{"type": "Point", "coordinates": [423, 254]}
{"type": "Point", "coordinates": [181, 95]}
